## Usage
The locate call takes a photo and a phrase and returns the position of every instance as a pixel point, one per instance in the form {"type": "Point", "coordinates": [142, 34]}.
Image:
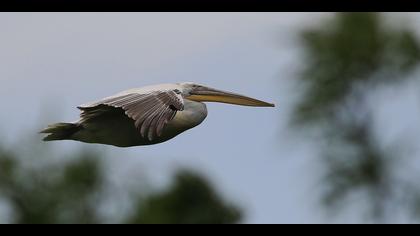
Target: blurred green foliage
{"type": "Point", "coordinates": [51, 195]}
{"type": "Point", "coordinates": [183, 202]}
{"type": "Point", "coordinates": [56, 193]}
{"type": "Point", "coordinates": [351, 48]}
{"type": "Point", "coordinates": [345, 57]}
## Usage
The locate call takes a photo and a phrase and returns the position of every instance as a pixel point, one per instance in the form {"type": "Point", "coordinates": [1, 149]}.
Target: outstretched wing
{"type": "Point", "coordinates": [150, 111]}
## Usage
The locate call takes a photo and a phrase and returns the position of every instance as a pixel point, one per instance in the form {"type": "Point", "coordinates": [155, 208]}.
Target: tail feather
{"type": "Point", "coordinates": [60, 131]}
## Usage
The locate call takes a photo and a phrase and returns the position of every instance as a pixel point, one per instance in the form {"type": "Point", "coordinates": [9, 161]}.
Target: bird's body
{"type": "Point", "coordinates": [144, 116]}
{"type": "Point", "coordinates": [117, 129]}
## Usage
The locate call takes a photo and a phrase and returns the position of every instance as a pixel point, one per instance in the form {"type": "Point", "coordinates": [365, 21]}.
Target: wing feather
{"type": "Point", "coordinates": [150, 111]}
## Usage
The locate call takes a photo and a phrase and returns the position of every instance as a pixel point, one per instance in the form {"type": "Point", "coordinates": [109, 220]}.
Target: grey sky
{"type": "Point", "coordinates": [56, 61]}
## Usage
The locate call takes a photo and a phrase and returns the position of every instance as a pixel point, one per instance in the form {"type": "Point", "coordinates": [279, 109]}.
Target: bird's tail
{"type": "Point", "coordinates": [60, 131]}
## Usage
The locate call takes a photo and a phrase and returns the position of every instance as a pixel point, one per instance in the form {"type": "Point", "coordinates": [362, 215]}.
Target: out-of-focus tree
{"type": "Point", "coordinates": [71, 192]}
{"type": "Point", "coordinates": [190, 200]}
{"type": "Point", "coordinates": [51, 194]}
{"type": "Point", "coordinates": [345, 58]}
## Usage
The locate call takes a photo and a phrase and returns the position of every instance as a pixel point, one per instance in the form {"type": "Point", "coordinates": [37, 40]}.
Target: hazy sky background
{"type": "Point", "coordinates": [55, 61]}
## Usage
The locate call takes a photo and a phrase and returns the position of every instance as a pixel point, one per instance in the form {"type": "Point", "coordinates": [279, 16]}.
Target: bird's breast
{"type": "Point", "coordinates": [193, 114]}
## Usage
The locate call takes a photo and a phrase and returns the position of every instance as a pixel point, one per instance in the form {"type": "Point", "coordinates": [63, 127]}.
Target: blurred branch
{"type": "Point", "coordinates": [349, 51]}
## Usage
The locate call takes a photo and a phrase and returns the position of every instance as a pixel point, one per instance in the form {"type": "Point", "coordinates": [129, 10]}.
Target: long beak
{"type": "Point", "coordinates": [206, 94]}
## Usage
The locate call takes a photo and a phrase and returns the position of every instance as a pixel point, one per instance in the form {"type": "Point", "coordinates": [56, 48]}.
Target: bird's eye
{"type": "Point", "coordinates": [177, 91]}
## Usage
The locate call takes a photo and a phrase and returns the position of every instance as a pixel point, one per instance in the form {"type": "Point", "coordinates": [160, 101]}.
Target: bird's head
{"type": "Point", "coordinates": [202, 93]}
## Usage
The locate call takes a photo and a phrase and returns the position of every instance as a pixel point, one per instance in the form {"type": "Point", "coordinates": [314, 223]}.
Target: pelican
{"type": "Point", "coordinates": [145, 116]}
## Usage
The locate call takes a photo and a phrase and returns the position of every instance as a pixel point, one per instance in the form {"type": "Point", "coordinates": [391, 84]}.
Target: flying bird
{"type": "Point", "coordinates": [145, 116]}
